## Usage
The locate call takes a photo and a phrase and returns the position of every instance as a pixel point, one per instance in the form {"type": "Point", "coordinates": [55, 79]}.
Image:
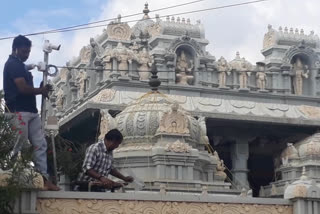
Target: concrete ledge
{"type": "Point", "coordinates": [170, 197]}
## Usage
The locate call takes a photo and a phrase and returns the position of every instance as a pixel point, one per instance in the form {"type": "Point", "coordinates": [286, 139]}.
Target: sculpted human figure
{"type": "Point", "coordinates": [243, 76]}
{"type": "Point", "coordinates": [224, 70]}
{"type": "Point", "coordinates": [82, 83]}
{"type": "Point", "coordinates": [123, 58]}
{"type": "Point", "coordinates": [145, 62]}
{"type": "Point", "coordinates": [184, 69]}
{"type": "Point", "coordinates": [261, 77]}
{"type": "Point", "coordinates": [300, 71]}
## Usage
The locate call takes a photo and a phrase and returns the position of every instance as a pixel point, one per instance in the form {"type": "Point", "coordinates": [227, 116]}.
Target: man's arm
{"type": "Point", "coordinates": [114, 172]}
{"type": "Point", "coordinates": [24, 88]}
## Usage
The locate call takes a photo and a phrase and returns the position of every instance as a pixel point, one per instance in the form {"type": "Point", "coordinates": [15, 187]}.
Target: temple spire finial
{"type": "Point", "coordinates": [146, 11]}
{"type": "Point", "coordinates": [154, 81]}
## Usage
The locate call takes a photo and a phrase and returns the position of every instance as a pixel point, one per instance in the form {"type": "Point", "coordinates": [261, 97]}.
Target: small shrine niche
{"type": "Point", "coordinates": [185, 65]}
{"type": "Point", "coordinates": [300, 73]}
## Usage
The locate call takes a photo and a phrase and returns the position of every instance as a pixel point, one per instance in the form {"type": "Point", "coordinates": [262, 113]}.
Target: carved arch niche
{"type": "Point", "coordinates": [308, 67]}
{"type": "Point", "coordinates": [185, 59]}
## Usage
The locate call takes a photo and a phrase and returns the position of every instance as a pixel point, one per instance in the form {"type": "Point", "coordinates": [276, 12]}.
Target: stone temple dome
{"type": "Point", "coordinates": [142, 25]}
{"type": "Point", "coordinates": [310, 146]}
{"type": "Point", "coordinates": [154, 115]}
{"type": "Point", "coordinates": [165, 145]}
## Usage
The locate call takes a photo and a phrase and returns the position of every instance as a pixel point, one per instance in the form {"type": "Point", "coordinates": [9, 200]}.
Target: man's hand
{"type": "Point", "coordinates": [46, 89]}
{"type": "Point", "coordinates": [128, 179]}
{"type": "Point", "coordinates": [107, 183]}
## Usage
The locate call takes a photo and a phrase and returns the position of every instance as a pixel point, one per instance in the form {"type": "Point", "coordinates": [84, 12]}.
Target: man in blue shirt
{"type": "Point", "coordinates": [20, 98]}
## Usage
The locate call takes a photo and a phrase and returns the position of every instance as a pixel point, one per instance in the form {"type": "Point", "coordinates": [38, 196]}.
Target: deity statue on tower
{"type": "Point", "coordinates": [184, 69]}
{"type": "Point", "coordinates": [300, 71]}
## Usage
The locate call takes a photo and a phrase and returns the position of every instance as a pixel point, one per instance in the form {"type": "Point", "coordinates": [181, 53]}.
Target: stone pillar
{"type": "Point", "coordinates": [286, 79]}
{"type": "Point", "coordinates": [239, 157]}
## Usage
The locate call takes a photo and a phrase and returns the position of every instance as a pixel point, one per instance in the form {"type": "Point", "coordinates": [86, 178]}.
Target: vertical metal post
{"type": "Point", "coordinates": [45, 79]}
{"type": "Point", "coordinates": [54, 157]}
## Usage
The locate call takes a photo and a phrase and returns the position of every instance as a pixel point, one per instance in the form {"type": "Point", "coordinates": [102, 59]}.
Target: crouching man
{"type": "Point", "coordinates": [97, 165]}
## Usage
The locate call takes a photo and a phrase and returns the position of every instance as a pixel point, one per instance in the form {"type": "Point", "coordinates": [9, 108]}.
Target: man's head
{"type": "Point", "coordinates": [21, 47]}
{"type": "Point", "coordinates": [113, 139]}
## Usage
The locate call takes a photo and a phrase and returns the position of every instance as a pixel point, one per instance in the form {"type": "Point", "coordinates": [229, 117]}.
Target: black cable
{"type": "Point", "coordinates": [182, 13]}
{"type": "Point", "coordinates": [64, 29]}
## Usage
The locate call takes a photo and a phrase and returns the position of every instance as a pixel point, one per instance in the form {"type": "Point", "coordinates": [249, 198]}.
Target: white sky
{"type": "Point", "coordinates": [228, 30]}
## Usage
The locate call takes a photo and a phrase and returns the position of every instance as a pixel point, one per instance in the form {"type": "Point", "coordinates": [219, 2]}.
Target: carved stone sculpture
{"type": "Point", "coordinates": [220, 174]}
{"type": "Point", "coordinates": [85, 54]}
{"type": "Point", "coordinates": [124, 59]}
{"type": "Point", "coordinates": [107, 122]}
{"type": "Point", "coordinates": [178, 147]}
{"type": "Point", "coordinates": [82, 77]}
{"type": "Point", "coordinates": [135, 47]}
{"type": "Point", "coordinates": [300, 71]}
{"type": "Point", "coordinates": [244, 72]}
{"type": "Point", "coordinates": [224, 70]}
{"type": "Point", "coordinates": [96, 53]}
{"type": "Point", "coordinates": [261, 77]}
{"type": "Point", "coordinates": [145, 62]}
{"type": "Point", "coordinates": [106, 59]}
{"type": "Point", "coordinates": [184, 69]}
{"type": "Point", "coordinates": [118, 31]}
{"type": "Point", "coordinates": [174, 122]}
{"type": "Point", "coordinates": [60, 99]}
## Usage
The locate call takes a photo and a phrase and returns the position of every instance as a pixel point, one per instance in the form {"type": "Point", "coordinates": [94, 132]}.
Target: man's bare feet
{"type": "Point", "coordinates": [49, 186]}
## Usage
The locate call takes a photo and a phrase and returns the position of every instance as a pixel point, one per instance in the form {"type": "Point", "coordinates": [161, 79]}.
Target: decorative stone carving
{"type": "Point", "coordinates": [118, 31]}
{"type": "Point", "coordinates": [261, 77]}
{"type": "Point", "coordinates": [106, 59]}
{"type": "Point", "coordinates": [310, 111]}
{"type": "Point", "coordinates": [174, 122]}
{"type": "Point", "coordinates": [145, 62]}
{"type": "Point", "coordinates": [129, 148]}
{"type": "Point", "coordinates": [85, 53]}
{"type": "Point", "coordinates": [96, 53]}
{"type": "Point", "coordinates": [184, 68]}
{"type": "Point", "coordinates": [243, 74]}
{"type": "Point", "coordinates": [243, 68]}
{"type": "Point", "coordinates": [106, 95]}
{"type": "Point", "coordinates": [220, 174]}
{"type": "Point", "coordinates": [186, 40]}
{"type": "Point", "coordinates": [269, 38]}
{"type": "Point", "coordinates": [203, 130]}
{"type": "Point", "coordinates": [78, 206]}
{"type": "Point", "coordinates": [289, 153]}
{"type": "Point", "coordinates": [124, 58]}
{"type": "Point", "coordinates": [82, 78]}
{"type": "Point", "coordinates": [300, 71]}
{"type": "Point", "coordinates": [178, 147]}
{"type": "Point", "coordinates": [60, 99]}
{"type": "Point", "coordinates": [155, 29]}
{"type": "Point", "coordinates": [223, 69]}
{"type": "Point", "coordinates": [107, 122]}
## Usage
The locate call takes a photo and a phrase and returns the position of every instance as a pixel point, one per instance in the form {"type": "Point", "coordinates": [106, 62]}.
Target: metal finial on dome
{"type": "Point", "coordinates": [146, 11]}
{"type": "Point", "coordinates": [154, 82]}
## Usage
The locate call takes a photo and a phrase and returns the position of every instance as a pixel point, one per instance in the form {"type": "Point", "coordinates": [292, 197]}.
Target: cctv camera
{"type": "Point", "coordinates": [48, 47]}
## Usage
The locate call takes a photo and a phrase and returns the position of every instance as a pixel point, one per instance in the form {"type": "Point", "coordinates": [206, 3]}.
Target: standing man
{"type": "Point", "coordinates": [20, 98]}
{"type": "Point", "coordinates": [97, 164]}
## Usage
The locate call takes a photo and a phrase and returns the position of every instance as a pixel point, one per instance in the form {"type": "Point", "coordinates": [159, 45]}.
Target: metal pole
{"type": "Point", "coordinates": [54, 157]}
{"type": "Point", "coordinates": [43, 103]}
